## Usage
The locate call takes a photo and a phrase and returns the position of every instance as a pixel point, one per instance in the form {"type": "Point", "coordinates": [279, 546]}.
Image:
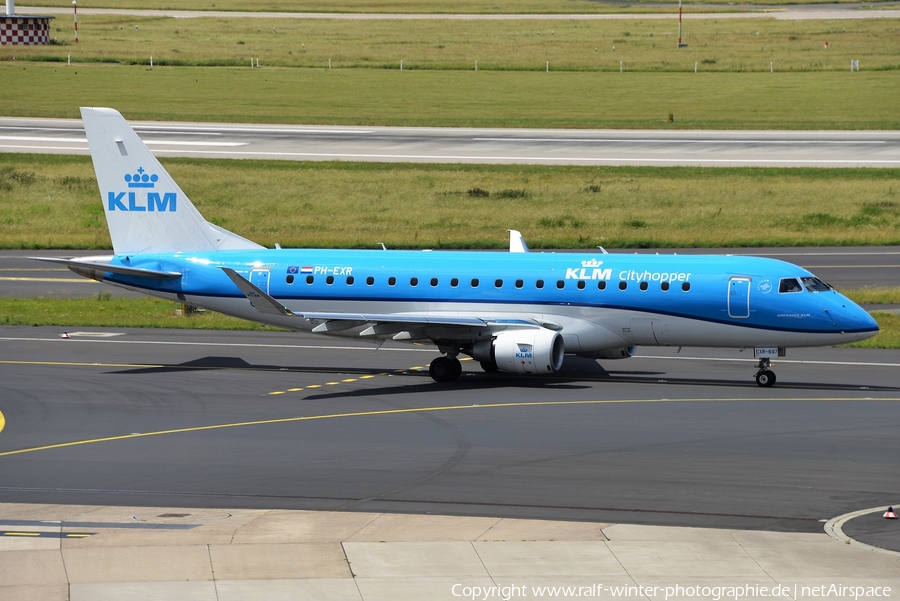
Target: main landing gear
{"type": "Point", "coordinates": [765, 377]}
{"type": "Point", "coordinates": [445, 369]}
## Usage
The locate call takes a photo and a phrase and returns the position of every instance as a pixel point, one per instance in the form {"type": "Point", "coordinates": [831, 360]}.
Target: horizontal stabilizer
{"type": "Point", "coordinates": [97, 270]}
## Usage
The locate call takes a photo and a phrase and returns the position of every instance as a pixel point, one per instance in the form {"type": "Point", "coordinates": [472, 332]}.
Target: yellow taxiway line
{"type": "Point", "coordinates": [413, 410]}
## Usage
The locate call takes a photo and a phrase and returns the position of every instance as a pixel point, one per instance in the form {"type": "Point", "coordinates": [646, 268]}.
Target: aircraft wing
{"type": "Point", "coordinates": [381, 324]}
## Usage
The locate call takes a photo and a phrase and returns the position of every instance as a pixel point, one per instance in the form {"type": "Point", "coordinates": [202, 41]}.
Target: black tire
{"type": "Point", "coordinates": [443, 369]}
{"type": "Point", "coordinates": [765, 378]}
{"type": "Point", "coordinates": [457, 368]}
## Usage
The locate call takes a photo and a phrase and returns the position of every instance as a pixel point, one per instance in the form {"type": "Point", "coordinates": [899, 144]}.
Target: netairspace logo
{"type": "Point", "coordinates": [711, 593]}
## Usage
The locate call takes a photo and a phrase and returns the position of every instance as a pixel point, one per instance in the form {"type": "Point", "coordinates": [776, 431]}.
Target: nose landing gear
{"type": "Point", "coordinates": [765, 377]}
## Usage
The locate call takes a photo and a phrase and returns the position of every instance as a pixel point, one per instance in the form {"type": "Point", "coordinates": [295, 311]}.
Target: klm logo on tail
{"type": "Point", "coordinates": [135, 201]}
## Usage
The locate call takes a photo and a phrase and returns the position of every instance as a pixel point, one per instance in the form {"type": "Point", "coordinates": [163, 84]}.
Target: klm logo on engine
{"type": "Point", "coordinates": [140, 201]}
{"type": "Point", "coordinates": [524, 352]}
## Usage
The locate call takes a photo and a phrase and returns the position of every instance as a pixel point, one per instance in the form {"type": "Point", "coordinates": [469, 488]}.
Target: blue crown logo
{"type": "Point", "coordinates": [141, 179]}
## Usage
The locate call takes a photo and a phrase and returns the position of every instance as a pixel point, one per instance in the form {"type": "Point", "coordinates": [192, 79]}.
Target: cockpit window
{"type": "Point", "coordinates": [815, 285]}
{"type": "Point", "coordinates": [789, 285]}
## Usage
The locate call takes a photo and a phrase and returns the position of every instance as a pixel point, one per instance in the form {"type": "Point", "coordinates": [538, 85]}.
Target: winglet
{"type": "Point", "coordinates": [517, 242]}
{"type": "Point", "coordinates": [261, 301]}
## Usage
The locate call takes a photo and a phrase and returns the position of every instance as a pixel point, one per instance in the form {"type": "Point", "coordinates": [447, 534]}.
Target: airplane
{"type": "Point", "coordinates": [516, 312]}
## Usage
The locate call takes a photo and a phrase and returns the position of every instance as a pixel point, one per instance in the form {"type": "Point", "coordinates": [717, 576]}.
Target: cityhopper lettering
{"type": "Point", "coordinates": [137, 202]}
{"type": "Point", "coordinates": [654, 276]}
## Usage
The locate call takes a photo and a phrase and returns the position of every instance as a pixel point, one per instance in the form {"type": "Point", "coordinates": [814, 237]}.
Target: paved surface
{"type": "Point", "coordinates": [464, 145]}
{"type": "Point", "coordinates": [96, 553]}
{"type": "Point", "coordinates": [293, 421]}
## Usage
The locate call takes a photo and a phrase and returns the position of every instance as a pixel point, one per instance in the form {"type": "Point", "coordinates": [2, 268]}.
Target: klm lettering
{"type": "Point", "coordinates": [129, 201]}
{"type": "Point", "coordinates": [574, 273]}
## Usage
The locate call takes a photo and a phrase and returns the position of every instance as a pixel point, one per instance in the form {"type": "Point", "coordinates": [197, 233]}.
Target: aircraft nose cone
{"type": "Point", "coordinates": [854, 320]}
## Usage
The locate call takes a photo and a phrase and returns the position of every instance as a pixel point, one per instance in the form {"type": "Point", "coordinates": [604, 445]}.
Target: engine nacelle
{"type": "Point", "coordinates": [611, 353]}
{"type": "Point", "coordinates": [532, 351]}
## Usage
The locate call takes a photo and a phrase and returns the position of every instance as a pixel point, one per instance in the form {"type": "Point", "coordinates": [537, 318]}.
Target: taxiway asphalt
{"type": "Point", "coordinates": [294, 421]}
{"type": "Point", "coordinates": [466, 145]}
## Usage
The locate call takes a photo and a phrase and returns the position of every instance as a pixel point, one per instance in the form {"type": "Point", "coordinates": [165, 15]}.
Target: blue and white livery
{"type": "Point", "coordinates": [517, 312]}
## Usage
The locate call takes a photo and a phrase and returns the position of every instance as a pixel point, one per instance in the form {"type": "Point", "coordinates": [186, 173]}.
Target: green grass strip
{"type": "Point", "coordinates": [572, 99]}
{"type": "Point", "coordinates": [52, 201]}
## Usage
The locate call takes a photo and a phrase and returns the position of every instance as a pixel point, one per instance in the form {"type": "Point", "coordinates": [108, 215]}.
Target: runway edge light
{"type": "Point", "coordinates": [889, 514]}
{"type": "Point", "coordinates": [64, 335]}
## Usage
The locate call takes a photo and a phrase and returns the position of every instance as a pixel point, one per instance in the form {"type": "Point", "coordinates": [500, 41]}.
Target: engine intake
{"type": "Point", "coordinates": [532, 351]}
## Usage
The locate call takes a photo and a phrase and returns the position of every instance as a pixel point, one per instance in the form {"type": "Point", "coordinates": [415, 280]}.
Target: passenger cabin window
{"type": "Point", "coordinates": [520, 283]}
{"type": "Point", "coordinates": [601, 285]}
{"type": "Point", "coordinates": [623, 285]}
{"type": "Point", "coordinates": [560, 284]}
{"type": "Point", "coordinates": [454, 282]}
{"type": "Point", "coordinates": [474, 282]}
{"type": "Point", "coordinates": [539, 284]}
{"type": "Point", "coordinates": [664, 286]}
{"type": "Point", "coordinates": [310, 279]}
{"type": "Point", "coordinates": [350, 280]}
{"type": "Point", "coordinates": [329, 280]}
{"type": "Point", "coordinates": [581, 284]}
{"type": "Point", "coordinates": [370, 280]}
{"type": "Point", "coordinates": [644, 286]}
{"type": "Point", "coordinates": [434, 282]}
{"type": "Point", "coordinates": [686, 287]}
{"type": "Point", "coordinates": [498, 283]}
{"type": "Point", "coordinates": [413, 282]}
{"type": "Point", "coordinates": [392, 281]}
{"type": "Point", "coordinates": [290, 279]}
{"type": "Point", "coordinates": [788, 285]}
{"type": "Point", "coordinates": [815, 285]}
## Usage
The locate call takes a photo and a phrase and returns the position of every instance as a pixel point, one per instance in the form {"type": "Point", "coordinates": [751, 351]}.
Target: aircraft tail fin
{"type": "Point", "coordinates": [147, 212]}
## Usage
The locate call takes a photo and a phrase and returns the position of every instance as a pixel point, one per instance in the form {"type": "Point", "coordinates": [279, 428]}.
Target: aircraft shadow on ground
{"type": "Point", "coordinates": [577, 373]}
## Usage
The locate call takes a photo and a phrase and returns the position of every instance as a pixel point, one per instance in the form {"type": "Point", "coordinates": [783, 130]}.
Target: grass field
{"type": "Point", "coordinates": [51, 201]}
{"type": "Point", "coordinates": [738, 45]}
{"type": "Point", "coordinates": [831, 100]}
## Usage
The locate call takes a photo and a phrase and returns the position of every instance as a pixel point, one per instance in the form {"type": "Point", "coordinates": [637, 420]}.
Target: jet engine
{"type": "Point", "coordinates": [611, 353]}
{"type": "Point", "coordinates": [532, 351]}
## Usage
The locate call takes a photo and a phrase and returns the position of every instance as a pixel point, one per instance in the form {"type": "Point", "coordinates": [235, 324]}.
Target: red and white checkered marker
{"type": "Point", "coordinates": [889, 514]}
{"type": "Point", "coordinates": [64, 335]}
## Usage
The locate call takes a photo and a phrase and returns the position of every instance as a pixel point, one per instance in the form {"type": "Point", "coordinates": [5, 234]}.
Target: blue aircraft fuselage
{"type": "Point", "coordinates": [742, 292]}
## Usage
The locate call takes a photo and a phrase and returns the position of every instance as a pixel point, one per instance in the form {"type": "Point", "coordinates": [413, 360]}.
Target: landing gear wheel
{"type": "Point", "coordinates": [765, 378]}
{"type": "Point", "coordinates": [445, 369]}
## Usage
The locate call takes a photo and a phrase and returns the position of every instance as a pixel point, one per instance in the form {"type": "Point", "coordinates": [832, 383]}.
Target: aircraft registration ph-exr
{"type": "Point", "coordinates": [518, 312]}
